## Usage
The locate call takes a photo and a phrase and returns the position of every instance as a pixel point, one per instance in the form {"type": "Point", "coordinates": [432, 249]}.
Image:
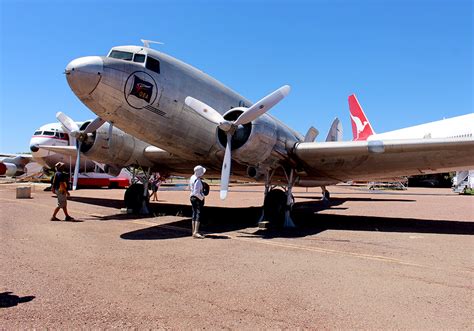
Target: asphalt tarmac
{"type": "Point", "coordinates": [367, 260]}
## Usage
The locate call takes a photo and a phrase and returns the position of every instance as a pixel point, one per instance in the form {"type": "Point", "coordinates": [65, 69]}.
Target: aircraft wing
{"type": "Point", "coordinates": [65, 150]}
{"type": "Point", "coordinates": [368, 160]}
{"type": "Point", "coordinates": [19, 160]}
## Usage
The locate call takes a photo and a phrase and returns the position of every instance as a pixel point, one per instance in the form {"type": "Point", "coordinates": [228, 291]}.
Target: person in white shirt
{"type": "Point", "coordinates": [197, 199]}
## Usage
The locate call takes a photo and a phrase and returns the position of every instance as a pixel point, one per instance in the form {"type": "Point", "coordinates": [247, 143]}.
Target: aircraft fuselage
{"type": "Point", "coordinates": [151, 106]}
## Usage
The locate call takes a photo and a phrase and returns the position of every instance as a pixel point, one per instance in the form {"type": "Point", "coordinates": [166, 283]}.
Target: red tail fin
{"type": "Point", "coordinates": [361, 128]}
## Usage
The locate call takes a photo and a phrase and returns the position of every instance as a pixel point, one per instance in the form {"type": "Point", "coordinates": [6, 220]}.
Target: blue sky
{"type": "Point", "coordinates": [409, 62]}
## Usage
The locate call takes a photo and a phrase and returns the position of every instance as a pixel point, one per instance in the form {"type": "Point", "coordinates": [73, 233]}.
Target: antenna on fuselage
{"type": "Point", "coordinates": [147, 43]}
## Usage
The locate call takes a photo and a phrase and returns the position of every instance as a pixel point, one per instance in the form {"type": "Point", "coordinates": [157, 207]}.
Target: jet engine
{"type": "Point", "coordinates": [9, 169]}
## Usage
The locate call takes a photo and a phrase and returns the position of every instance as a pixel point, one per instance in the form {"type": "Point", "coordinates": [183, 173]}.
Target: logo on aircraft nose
{"type": "Point", "coordinates": [140, 90]}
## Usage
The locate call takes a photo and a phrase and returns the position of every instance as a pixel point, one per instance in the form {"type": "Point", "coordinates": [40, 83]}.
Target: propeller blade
{"type": "Point", "coordinates": [94, 125]}
{"type": "Point", "coordinates": [67, 122]}
{"type": "Point", "coordinates": [263, 105]}
{"type": "Point", "coordinates": [204, 110]}
{"type": "Point", "coordinates": [225, 172]}
{"type": "Point", "coordinates": [78, 164]}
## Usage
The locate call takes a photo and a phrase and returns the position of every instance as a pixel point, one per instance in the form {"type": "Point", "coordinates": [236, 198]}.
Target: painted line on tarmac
{"type": "Point", "coordinates": [333, 251]}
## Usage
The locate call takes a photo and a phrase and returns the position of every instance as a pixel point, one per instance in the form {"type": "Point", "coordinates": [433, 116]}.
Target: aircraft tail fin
{"type": "Point", "coordinates": [335, 132]}
{"type": "Point", "coordinates": [361, 128]}
{"type": "Point", "coordinates": [311, 134]}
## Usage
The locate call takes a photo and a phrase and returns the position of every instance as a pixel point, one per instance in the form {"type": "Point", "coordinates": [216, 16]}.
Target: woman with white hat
{"type": "Point", "coordinates": [197, 199]}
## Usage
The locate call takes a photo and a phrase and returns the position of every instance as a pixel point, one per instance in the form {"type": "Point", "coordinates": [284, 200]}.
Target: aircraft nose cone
{"type": "Point", "coordinates": [83, 74]}
{"type": "Point", "coordinates": [34, 148]}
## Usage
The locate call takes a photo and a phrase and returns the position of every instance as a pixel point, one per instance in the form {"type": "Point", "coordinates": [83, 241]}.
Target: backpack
{"type": "Point", "coordinates": [56, 180]}
{"type": "Point", "coordinates": [205, 188]}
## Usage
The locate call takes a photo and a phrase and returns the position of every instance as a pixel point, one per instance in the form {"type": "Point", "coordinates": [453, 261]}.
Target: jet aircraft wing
{"type": "Point", "coordinates": [365, 160]}
{"type": "Point", "coordinates": [19, 156]}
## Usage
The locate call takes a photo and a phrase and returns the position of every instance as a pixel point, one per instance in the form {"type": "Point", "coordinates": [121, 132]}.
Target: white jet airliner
{"type": "Point", "coordinates": [455, 127]}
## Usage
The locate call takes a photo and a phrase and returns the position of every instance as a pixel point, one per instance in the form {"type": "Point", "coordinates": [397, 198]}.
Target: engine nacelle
{"type": "Point", "coordinates": [123, 148]}
{"type": "Point", "coordinates": [8, 169]}
{"type": "Point", "coordinates": [252, 143]}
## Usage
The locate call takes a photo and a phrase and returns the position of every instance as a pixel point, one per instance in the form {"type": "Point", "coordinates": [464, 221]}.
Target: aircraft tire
{"type": "Point", "coordinates": [274, 207]}
{"type": "Point", "coordinates": [134, 197]}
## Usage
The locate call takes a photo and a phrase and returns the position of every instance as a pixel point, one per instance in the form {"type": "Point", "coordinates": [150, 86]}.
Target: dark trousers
{"type": "Point", "coordinates": [197, 206]}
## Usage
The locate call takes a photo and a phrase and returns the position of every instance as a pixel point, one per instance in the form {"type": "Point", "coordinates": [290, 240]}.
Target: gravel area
{"type": "Point", "coordinates": [366, 260]}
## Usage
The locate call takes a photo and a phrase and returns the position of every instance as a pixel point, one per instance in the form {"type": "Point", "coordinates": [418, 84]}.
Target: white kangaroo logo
{"type": "Point", "coordinates": [360, 127]}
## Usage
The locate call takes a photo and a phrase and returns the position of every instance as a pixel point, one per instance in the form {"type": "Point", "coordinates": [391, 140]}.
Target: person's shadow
{"type": "Point", "coordinates": [7, 299]}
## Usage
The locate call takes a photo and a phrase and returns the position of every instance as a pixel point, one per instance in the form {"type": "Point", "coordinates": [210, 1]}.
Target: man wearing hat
{"type": "Point", "coordinates": [197, 199]}
{"type": "Point", "coordinates": [60, 188]}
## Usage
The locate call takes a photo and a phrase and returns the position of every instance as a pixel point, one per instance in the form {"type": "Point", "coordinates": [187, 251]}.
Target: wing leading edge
{"type": "Point", "coordinates": [369, 160]}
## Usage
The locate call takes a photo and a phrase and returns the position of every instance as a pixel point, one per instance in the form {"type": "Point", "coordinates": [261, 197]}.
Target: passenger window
{"type": "Point", "coordinates": [153, 64]}
{"type": "Point", "coordinates": [127, 56]}
{"type": "Point", "coordinates": [140, 58]}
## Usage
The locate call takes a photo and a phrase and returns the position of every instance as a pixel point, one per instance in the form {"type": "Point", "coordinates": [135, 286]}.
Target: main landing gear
{"type": "Point", "coordinates": [326, 195]}
{"type": "Point", "coordinates": [137, 197]}
{"type": "Point", "coordinates": [278, 203]}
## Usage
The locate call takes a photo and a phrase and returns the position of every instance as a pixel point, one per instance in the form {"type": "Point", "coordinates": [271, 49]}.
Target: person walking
{"type": "Point", "coordinates": [197, 199]}
{"type": "Point", "coordinates": [59, 187]}
{"type": "Point", "coordinates": [155, 185]}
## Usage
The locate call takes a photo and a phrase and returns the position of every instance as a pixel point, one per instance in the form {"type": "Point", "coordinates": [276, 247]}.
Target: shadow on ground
{"type": "Point", "coordinates": [7, 299]}
{"type": "Point", "coordinates": [305, 214]}
{"type": "Point", "coordinates": [308, 222]}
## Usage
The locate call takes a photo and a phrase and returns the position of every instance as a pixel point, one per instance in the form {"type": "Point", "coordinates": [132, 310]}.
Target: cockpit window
{"type": "Point", "coordinates": [38, 133]}
{"type": "Point", "coordinates": [140, 58]}
{"type": "Point", "coordinates": [48, 133]}
{"type": "Point", "coordinates": [152, 64]}
{"type": "Point", "coordinates": [127, 56]}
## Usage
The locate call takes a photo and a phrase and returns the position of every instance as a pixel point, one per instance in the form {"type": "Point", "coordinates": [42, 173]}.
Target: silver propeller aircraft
{"type": "Point", "coordinates": [172, 105]}
{"type": "Point", "coordinates": [112, 147]}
